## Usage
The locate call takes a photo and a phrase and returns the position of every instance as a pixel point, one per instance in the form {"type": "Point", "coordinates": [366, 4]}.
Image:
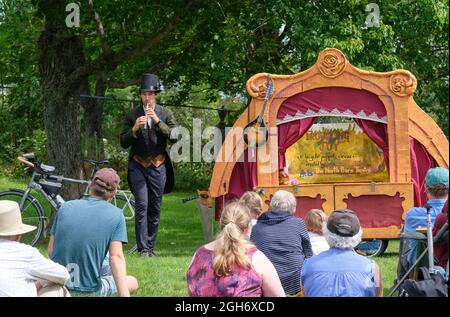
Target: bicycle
{"type": "Point", "coordinates": [44, 181]}
{"type": "Point", "coordinates": [123, 198]}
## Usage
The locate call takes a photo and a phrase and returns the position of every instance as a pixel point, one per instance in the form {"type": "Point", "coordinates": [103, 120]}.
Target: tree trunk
{"type": "Point", "coordinates": [93, 113]}
{"type": "Point", "coordinates": [60, 53]}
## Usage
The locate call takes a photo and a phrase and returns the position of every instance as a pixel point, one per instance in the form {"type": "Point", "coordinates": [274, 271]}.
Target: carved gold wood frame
{"type": "Point", "coordinates": [395, 90]}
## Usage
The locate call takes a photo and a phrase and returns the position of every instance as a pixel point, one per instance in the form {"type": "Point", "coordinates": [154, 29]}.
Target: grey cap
{"type": "Point", "coordinates": [344, 223]}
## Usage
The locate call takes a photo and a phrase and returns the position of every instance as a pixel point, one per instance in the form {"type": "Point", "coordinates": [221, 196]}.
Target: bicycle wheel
{"type": "Point", "coordinates": [372, 248]}
{"type": "Point", "coordinates": [32, 214]}
{"type": "Point", "coordinates": [126, 204]}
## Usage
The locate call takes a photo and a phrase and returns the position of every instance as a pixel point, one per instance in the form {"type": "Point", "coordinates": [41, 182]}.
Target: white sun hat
{"type": "Point", "coordinates": [11, 219]}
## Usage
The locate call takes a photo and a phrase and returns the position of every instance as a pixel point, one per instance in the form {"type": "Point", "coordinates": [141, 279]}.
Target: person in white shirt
{"type": "Point", "coordinates": [314, 220]}
{"type": "Point", "coordinates": [24, 271]}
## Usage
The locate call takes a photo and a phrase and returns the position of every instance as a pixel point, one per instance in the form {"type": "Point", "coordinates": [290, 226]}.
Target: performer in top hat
{"type": "Point", "coordinates": [146, 131]}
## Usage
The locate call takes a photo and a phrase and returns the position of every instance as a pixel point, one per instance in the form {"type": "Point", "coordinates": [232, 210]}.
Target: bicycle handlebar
{"type": "Point", "coordinates": [32, 162]}
{"type": "Point", "coordinates": [23, 160]}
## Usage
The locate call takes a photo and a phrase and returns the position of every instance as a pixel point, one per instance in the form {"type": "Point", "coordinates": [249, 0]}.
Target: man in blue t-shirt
{"type": "Point", "coordinates": [82, 234]}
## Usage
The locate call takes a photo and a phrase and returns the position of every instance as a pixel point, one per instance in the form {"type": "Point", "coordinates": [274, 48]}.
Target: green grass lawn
{"type": "Point", "coordinates": [388, 265]}
{"type": "Point", "coordinates": [180, 234]}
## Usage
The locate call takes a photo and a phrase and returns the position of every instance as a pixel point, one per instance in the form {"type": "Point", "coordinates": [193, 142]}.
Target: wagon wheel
{"type": "Point", "coordinates": [372, 248]}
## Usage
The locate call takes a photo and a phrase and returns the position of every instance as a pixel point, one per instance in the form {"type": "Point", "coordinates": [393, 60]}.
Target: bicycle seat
{"type": "Point", "coordinates": [98, 162]}
{"type": "Point", "coordinates": [47, 168]}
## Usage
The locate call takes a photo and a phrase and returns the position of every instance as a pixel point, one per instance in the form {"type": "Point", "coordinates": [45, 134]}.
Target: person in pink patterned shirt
{"type": "Point", "coordinates": [231, 266]}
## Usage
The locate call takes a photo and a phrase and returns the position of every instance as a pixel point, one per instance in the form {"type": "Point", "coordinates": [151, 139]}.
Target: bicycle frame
{"type": "Point", "coordinates": [55, 202]}
{"type": "Point", "coordinates": [94, 170]}
{"type": "Point", "coordinates": [72, 181]}
{"type": "Point", "coordinates": [33, 185]}
{"type": "Point", "coordinates": [124, 193]}
{"type": "Point", "coordinates": [44, 182]}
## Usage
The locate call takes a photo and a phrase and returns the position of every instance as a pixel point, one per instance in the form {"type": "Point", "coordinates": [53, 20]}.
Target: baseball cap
{"type": "Point", "coordinates": [107, 179]}
{"type": "Point", "coordinates": [343, 222]}
{"type": "Point", "coordinates": [436, 176]}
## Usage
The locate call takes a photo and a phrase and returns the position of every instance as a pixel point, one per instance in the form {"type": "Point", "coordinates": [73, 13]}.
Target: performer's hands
{"type": "Point", "coordinates": [152, 114]}
{"type": "Point", "coordinates": [139, 122]}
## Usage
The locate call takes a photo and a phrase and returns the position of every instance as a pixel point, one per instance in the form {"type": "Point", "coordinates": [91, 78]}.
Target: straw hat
{"type": "Point", "coordinates": [11, 220]}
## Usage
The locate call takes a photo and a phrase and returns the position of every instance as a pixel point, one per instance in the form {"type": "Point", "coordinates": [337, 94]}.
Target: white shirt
{"type": "Point", "coordinates": [22, 265]}
{"type": "Point", "coordinates": [252, 223]}
{"type": "Point", "coordinates": [149, 121]}
{"type": "Point", "coordinates": [318, 243]}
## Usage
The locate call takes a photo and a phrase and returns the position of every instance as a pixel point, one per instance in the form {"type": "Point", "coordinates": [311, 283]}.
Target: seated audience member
{"type": "Point", "coordinates": [314, 220]}
{"type": "Point", "coordinates": [255, 203]}
{"type": "Point", "coordinates": [283, 238]}
{"type": "Point", "coordinates": [231, 266]}
{"type": "Point", "coordinates": [24, 272]}
{"type": "Point", "coordinates": [436, 182]}
{"type": "Point", "coordinates": [340, 271]}
{"type": "Point", "coordinates": [441, 247]}
{"type": "Point", "coordinates": [82, 234]}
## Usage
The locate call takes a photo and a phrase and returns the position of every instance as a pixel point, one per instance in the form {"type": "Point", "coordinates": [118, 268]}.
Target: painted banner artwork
{"type": "Point", "coordinates": [336, 152]}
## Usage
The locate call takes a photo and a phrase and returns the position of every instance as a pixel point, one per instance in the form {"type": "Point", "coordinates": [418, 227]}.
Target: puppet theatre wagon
{"type": "Point", "coordinates": [336, 137]}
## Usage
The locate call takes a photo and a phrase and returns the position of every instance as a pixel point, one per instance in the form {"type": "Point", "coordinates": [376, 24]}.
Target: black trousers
{"type": "Point", "coordinates": [148, 187]}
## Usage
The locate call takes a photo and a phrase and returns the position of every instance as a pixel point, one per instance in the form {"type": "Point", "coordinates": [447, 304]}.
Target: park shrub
{"type": "Point", "coordinates": [36, 143]}
{"type": "Point", "coordinates": [192, 175]}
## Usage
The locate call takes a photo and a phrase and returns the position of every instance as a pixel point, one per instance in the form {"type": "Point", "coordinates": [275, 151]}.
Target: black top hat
{"type": "Point", "coordinates": [150, 82]}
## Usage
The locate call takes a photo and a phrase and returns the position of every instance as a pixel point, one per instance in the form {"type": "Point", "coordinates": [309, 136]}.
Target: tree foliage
{"type": "Point", "coordinates": [214, 46]}
{"type": "Point", "coordinates": [21, 110]}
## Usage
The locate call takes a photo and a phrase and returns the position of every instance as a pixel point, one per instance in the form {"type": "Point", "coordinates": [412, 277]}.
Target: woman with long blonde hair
{"type": "Point", "coordinates": [231, 265]}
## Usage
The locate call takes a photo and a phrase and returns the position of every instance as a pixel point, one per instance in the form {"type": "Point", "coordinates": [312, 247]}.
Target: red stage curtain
{"type": "Point", "coordinates": [288, 134]}
{"type": "Point", "coordinates": [243, 178]}
{"type": "Point", "coordinates": [329, 98]}
{"type": "Point", "coordinates": [377, 132]}
{"type": "Point", "coordinates": [421, 162]}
